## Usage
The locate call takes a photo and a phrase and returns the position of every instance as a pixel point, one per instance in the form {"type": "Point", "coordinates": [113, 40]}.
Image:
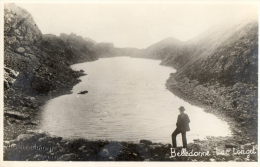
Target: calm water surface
{"type": "Point", "coordinates": [127, 101]}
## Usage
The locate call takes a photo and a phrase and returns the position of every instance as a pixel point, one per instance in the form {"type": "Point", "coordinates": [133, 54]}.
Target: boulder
{"type": "Point", "coordinates": [42, 139]}
{"type": "Point", "coordinates": [82, 148]}
{"type": "Point", "coordinates": [104, 152]}
{"type": "Point", "coordinates": [37, 157]}
{"type": "Point", "coordinates": [16, 115]}
{"type": "Point", "coordinates": [13, 145]}
{"type": "Point", "coordinates": [147, 142]}
{"type": "Point", "coordinates": [230, 145]}
{"type": "Point", "coordinates": [20, 50]}
{"type": "Point", "coordinates": [67, 157]}
{"type": "Point", "coordinates": [155, 146]}
{"type": "Point", "coordinates": [24, 137]}
{"type": "Point", "coordinates": [212, 160]}
{"type": "Point", "coordinates": [30, 123]}
{"type": "Point", "coordinates": [9, 77]}
{"type": "Point", "coordinates": [6, 142]}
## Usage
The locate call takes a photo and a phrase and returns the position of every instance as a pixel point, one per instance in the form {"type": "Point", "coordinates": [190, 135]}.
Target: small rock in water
{"type": "Point", "coordinates": [83, 92]}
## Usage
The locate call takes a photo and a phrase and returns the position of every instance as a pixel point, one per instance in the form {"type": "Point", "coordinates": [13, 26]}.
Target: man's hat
{"type": "Point", "coordinates": [181, 108]}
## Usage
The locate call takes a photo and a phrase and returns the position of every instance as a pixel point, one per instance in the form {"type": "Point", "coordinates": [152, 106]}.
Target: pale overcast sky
{"type": "Point", "coordinates": [135, 25]}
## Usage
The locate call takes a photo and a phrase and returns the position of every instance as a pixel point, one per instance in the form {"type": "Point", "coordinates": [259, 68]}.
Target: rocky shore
{"type": "Point", "coordinates": [25, 115]}
{"type": "Point", "coordinates": [35, 146]}
{"type": "Point", "coordinates": [214, 99]}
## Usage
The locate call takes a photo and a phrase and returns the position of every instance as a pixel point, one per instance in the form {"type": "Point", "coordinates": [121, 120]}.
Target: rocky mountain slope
{"type": "Point", "coordinates": [217, 69]}
{"type": "Point", "coordinates": [39, 59]}
{"type": "Point", "coordinates": [37, 66]}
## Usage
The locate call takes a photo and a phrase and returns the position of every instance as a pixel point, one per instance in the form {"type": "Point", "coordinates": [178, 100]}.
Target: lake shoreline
{"type": "Point", "coordinates": [20, 118]}
{"type": "Point", "coordinates": [187, 92]}
{"type": "Point", "coordinates": [28, 134]}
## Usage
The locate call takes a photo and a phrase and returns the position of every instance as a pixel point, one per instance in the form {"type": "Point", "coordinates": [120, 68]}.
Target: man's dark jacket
{"type": "Point", "coordinates": [183, 122]}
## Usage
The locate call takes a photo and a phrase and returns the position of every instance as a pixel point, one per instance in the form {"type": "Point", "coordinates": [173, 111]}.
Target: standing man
{"type": "Point", "coordinates": [182, 127]}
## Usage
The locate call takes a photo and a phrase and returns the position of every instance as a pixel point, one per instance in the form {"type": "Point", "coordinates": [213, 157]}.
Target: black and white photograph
{"type": "Point", "coordinates": [172, 81]}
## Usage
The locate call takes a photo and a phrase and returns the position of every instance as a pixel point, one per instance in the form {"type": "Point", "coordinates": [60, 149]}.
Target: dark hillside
{"type": "Point", "coordinates": [37, 66]}
{"type": "Point", "coordinates": [217, 68]}
{"type": "Point", "coordinates": [234, 60]}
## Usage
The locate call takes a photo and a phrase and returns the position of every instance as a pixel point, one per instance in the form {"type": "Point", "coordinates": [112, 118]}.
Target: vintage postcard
{"type": "Point", "coordinates": [171, 81]}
